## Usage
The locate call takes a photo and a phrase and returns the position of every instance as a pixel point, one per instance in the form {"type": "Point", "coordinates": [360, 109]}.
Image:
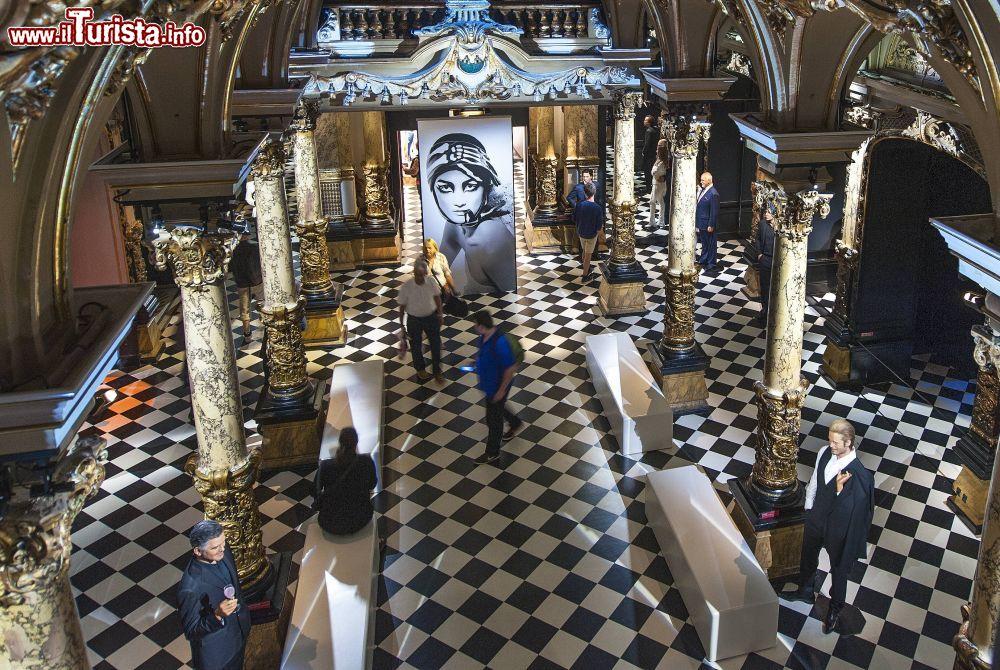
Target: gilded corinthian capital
{"type": "Point", "coordinates": [270, 160]}
{"type": "Point", "coordinates": [304, 116]}
{"type": "Point", "coordinates": [793, 214]}
{"type": "Point", "coordinates": [685, 135]}
{"type": "Point", "coordinates": [626, 103]}
{"type": "Point", "coordinates": [195, 258]}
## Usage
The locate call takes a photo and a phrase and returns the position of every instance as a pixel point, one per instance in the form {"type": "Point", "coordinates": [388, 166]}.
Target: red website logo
{"type": "Point", "coordinates": [80, 29]}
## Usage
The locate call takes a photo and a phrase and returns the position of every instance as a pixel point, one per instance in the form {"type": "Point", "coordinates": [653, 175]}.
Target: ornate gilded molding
{"type": "Point", "coordinates": [935, 21]}
{"type": "Point", "coordinates": [227, 494]}
{"type": "Point", "coordinates": [967, 656]}
{"type": "Point", "coordinates": [623, 241]}
{"type": "Point", "coordinates": [132, 236]}
{"type": "Point", "coordinates": [685, 135]}
{"type": "Point", "coordinates": [270, 160]}
{"type": "Point", "coordinates": [304, 116]}
{"type": "Point", "coordinates": [847, 263]}
{"type": "Point", "coordinates": [793, 214]}
{"type": "Point", "coordinates": [286, 358]}
{"type": "Point", "coordinates": [860, 115]}
{"type": "Point", "coordinates": [130, 59]}
{"type": "Point", "coordinates": [376, 191]}
{"type": "Point", "coordinates": [934, 132]}
{"type": "Point", "coordinates": [778, 423]}
{"type": "Point", "coordinates": [545, 171]}
{"type": "Point", "coordinates": [197, 259]}
{"type": "Point", "coordinates": [37, 611]}
{"type": "Point", "coordinates": [736, 62]}
{"type": "Point", "coordinates": [626, 102]}
{"type": "Point", "coordinates": [314, 255]}
{"type": "Point", "coordinates": [678, 317]}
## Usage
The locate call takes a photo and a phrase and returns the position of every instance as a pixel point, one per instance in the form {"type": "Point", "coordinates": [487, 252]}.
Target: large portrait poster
{"type": "Point", "coordinates": [467, 197]}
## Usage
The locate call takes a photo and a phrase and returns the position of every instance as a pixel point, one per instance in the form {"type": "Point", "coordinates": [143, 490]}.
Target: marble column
{"type": "Point", "coordinates": [38, 617]}
{"type": "Point", "coordinates": [375, 172]}
{"type": "Point", "coordinates": [223, 469]}
{"type": "Point", "coordinates": [622, 277]}
{"type": "Point", "coordinates": [751, 276]}
{"type": "Point", "coordinates": [282, 310]}
{"type": "Point", "coordinates": [976, 448]}
{"type": "Point", "coordinates": [782, 392]}
{"type": "Point", "coordinates": [324, 314]}
{"type": "Point", "coordinates": [335, 161]}
{"type": "Point", "coordinates": [312, 224]}
{"type": "Point", "coordinates": [974, 644]}
{"type": "Point", "coordinates": [679, 362]}
{"type": "Point", "coordinates": [836, 366]}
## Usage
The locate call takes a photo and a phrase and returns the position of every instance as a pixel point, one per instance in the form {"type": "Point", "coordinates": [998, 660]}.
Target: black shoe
{"type": "Point", "coordinates": [803, 594]}
{"type": "Point", "coordinates": [832, 620]}
{"type": "Point", "coordinates": [512, 432]}
{"type": "Point", "coordinates": [486, 459]}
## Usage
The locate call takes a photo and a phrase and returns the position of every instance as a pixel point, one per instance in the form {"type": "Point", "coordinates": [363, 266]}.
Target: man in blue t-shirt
{"type": "Point", "coordinates": [495, 366]}
{"type": "Point", "coordinates": [589, 219]}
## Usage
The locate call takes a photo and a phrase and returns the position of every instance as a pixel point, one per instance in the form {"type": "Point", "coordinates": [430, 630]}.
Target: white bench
{"type": "Point", "coordinates": [640, 417]}
{"type": "Point", "coordinates": [333, 620]}
{"type": "Point", "coordinates": [731, 603]}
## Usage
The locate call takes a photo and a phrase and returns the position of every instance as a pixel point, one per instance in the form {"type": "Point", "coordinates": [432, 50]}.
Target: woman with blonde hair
{"type": "Point", "coordinates": [438, 264]}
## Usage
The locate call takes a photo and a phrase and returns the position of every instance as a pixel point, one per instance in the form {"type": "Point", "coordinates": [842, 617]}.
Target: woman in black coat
{"type": "Point", "coordinates": [344, 486]}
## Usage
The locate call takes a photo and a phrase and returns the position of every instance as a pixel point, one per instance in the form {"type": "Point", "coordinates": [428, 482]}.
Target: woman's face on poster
{"type": "Point", "coordinates": [459, 196]}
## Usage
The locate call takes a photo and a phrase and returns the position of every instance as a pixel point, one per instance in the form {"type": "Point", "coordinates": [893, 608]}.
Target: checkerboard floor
{"type": "Point", "coordinates": [548, 562]}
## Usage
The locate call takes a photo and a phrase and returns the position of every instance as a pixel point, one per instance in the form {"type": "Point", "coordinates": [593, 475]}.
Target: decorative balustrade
{"type": "Point", "coordinates": [373, 23]}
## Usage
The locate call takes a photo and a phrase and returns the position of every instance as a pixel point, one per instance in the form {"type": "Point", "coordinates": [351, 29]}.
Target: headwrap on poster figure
{"type": "Point", "coordinates": [467, 199]}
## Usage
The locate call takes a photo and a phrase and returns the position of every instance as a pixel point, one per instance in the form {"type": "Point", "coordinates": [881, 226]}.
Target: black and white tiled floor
{"type": "Point", "coordinates": [547, 563]}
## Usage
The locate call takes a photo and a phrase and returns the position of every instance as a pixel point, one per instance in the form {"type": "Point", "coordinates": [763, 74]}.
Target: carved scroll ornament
{"type": "Point", "coordinates": [196, 258]}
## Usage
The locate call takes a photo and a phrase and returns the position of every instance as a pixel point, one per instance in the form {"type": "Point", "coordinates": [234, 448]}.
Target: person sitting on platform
{"type": "Point", "coordinates": [209, 598]}
{"type": "Point", "coordinates": [840, 502]}
{"type": "Point", "coordinates": [344, 486]}
{"type": "Point", "coordinates": [577, 195]}
{"type": "Point", "coordinates": [438, 264]}
{"type": "Point", "coordinates": [245, 266]}
{"type": "Point", "coordinates": [589, 219]}
{"type": "Point", "coordinates": [706, 219]}
{"type": "Point", "coordinates": [659, 179]}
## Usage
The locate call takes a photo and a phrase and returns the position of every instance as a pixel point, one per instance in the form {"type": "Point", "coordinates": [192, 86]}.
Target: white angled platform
{"type": "Point", "coordinates": [640, 417]}
{"type": "Point", "coordinates": [332, 623]}
{"type": "Point", "coordinates": [732, 605]}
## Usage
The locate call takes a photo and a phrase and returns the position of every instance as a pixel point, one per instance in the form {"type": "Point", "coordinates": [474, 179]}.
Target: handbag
{"type": "Point", "coordinates": [452, 304]}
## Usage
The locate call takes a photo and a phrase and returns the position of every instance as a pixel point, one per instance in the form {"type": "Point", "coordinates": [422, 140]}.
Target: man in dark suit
{"type": "Point", "coordinates": [216, 621]}
{"type": "Point", "coordinates": [576, 196]}
{"type": "Point", "coordinates": [706, 219]}
{"type": "Point", "coordinates": [840, 500]}
{"type": "Point", "coordinates": [650, 138]}
{"type": "Point", "coordinates": [765, 256]}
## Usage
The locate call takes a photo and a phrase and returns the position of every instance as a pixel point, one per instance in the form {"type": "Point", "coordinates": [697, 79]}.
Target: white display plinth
{"type": "Point", "coordinates": [332, 624]}
{"type": "Point", "coordinates": [640, 417]}
{"type": "Point", "coordinates": [728, 596]}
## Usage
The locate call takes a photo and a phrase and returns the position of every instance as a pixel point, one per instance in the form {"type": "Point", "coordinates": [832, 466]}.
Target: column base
{"type": "Point", "coordinates": [968, 500]}
{"type": "Point", "coordinates": [377, 244]}
{"type": "Point", "coordinates": [549, 235]}
{"type": "Point", "coordinates": [341, 254]}
{"type": "Point", "coordinates": [325, 325]}
{"type": "Point", "coordinates": [847, 365]}
{"type": "Point", "coordinates": [291, 432]}
{"type": "Point", "coordinates": [751, 282]}
{"type": "Point", "coordinates": [622, 290]}
{"type": "Point", "coordinates": [681, 375]}
{"type": "Point", "coordinates": [270, 613]}
{"type": "Point", "coordinates": [774, 534]}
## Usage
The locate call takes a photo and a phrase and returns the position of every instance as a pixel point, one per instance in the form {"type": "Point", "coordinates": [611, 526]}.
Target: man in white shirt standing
{"type": "Point", "coordinates": [420, 311]}
{"type": "Point", "coordinates": [840, 501]}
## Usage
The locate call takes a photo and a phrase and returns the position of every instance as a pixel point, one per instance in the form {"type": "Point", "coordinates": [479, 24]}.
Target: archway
{"type": "Point", "coordinates": [905, 259]}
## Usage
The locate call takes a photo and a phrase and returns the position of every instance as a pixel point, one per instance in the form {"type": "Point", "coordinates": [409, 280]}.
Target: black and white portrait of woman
{"type": "Point", "coordinates": [467, 199]}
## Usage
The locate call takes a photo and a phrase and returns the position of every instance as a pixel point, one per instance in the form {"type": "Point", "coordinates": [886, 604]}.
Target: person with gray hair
{"type": "Point", "coordinates": [839, 504]}
{"type": "Point", "coordinates": [421, 311]}
{"type": "Point", "coordinates": [210, 601]}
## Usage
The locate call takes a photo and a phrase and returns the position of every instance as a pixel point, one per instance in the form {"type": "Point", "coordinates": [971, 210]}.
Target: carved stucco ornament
{"type": "Point", "coordinates": [475, 59]}
{"type": "Point", "coordinates": [197, 259]}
